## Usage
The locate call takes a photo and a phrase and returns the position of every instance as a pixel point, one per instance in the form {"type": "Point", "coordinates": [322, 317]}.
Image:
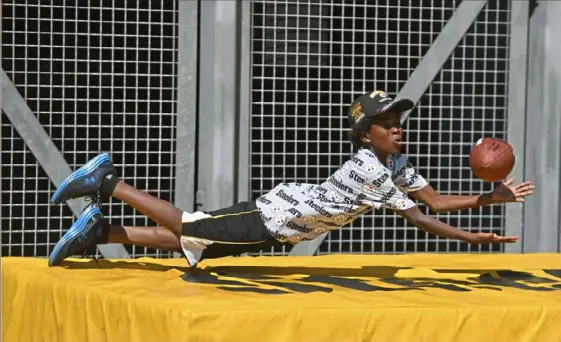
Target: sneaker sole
{"type": "Point", "coordinates": [81, 172]}
{"type": "Point", "coordinates": [78, 227]}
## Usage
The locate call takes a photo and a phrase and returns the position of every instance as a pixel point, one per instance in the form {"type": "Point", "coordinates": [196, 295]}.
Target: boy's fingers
{"type": "Point", "coordinates": [507, 238]}
{"type": "Point", "coordinates": [524, 188]}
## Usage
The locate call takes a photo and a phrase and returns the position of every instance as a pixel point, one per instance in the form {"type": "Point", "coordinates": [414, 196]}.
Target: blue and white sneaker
{"type": "Point", "coordinates": [86, 181]}
{"type": "Point", "coordinates": [80, 237]}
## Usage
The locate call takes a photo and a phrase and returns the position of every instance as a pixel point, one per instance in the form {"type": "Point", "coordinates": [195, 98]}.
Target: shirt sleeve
{"type": "Point", "coordinates": [406, 178]}
{"type": "Point", "coordinates": [381, 192]}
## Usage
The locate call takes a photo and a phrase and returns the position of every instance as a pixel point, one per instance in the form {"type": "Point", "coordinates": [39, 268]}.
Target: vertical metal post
{"type": "Point", "coordinates": [186, 104]}
{"type": "Point", "coordinates": [550, 232]}
{"type": "Point", "coordinates": [218, 102]}
{"type": "Point", "coordinates": [533, 151]}
{"type": "Point", "coordinates": [543, 142]}
{"type": "Point", "coordinates": [244, 113]}
{"type": "Point", "coordinates": [518, 65]}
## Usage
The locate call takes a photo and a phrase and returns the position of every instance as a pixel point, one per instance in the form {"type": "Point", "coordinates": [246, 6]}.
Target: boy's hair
{"type": "Point", "coordinates": [354, 133]}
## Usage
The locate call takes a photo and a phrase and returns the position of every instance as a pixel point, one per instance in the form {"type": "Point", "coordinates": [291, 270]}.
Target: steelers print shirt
{"type": "Point", "coordinates": [294, 212]}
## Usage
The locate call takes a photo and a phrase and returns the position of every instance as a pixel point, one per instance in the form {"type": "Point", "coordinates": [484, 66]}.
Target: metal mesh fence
{"type": "Point", "coordinates": [467, 100]}
{"type": "Point", "coordinates": [100, 76]}
{"type": "Point", "coordinates": [310, 59]}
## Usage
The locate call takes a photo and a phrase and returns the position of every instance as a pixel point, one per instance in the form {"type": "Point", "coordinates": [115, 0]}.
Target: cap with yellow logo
{"type": "Point", "coordinates": [375, 103]}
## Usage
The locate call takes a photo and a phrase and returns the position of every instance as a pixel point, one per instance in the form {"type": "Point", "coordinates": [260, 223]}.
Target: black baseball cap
{"type": "Point", "coordinates": [375, 103]}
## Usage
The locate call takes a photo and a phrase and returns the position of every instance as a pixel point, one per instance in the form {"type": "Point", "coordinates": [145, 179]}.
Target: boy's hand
{"type": "Point", "coordinates": [491, 237]}
{"type": "Point", "coordinates": [515, 193]}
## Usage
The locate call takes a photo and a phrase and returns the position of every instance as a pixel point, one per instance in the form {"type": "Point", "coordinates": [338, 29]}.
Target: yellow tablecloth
{"type": "Point", "coordinates": [415, 297]}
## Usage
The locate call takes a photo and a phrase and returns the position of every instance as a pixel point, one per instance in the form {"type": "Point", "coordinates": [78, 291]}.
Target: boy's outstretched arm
{"type": "Point", "coordinates": [505, 192]}
{"type": "Point", "coordinates": [436, 227]}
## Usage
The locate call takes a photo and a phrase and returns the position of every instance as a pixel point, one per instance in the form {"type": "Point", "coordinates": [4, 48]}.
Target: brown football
{"type": "Point", "coordinates": [491, 159]}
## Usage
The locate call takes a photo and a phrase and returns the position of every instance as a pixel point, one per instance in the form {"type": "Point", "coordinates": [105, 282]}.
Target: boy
{"type": "Point", "coordinates": [377, 176]}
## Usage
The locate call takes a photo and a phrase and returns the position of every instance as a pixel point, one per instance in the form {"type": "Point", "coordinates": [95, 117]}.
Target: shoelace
{"type": "Point", "coordinates": [91, 251]}
{"type": "Point", "coordinates": [94, 199]}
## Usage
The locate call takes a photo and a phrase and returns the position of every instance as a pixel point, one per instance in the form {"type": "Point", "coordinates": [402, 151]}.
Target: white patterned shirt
{"type": "Point", "coordinates": [295, 212]}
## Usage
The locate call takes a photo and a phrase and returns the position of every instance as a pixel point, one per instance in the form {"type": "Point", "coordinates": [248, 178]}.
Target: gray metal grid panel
{"type": "Point", "coordinates": [466, 101]}
{"type": "Point", "coordinates": [100, 77]}
{"type": "Point", "coordinates": [311, 59]}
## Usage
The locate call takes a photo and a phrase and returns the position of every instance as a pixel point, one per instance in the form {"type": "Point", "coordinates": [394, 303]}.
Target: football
{"type": "Point", "coordinates": [491, 159]}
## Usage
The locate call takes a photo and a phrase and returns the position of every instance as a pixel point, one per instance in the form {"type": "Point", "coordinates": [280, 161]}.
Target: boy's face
{"type": "Point", "coordinates": [385, 134]}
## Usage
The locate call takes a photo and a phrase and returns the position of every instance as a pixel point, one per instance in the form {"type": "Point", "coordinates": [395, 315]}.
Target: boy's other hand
{"type": "Point", "coordinates": [491, 237]}
{"type": "Point", "coordinates": [506, 192]}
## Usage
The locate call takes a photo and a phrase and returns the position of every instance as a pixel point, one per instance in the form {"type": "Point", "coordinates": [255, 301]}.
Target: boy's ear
{"type": "Point", "coordinates": [364, 137]}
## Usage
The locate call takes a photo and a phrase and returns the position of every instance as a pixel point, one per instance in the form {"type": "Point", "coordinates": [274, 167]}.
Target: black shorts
{"type": "Point", "coordinates": [233, 231]}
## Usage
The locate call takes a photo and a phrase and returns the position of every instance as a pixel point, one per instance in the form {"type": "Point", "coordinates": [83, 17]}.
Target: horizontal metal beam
{"type": "Point", "coordinates": [45, 151]}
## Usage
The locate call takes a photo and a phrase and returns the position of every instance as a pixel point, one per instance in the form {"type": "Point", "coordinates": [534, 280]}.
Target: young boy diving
{"type": "Point", "coordinates": [377, 176]}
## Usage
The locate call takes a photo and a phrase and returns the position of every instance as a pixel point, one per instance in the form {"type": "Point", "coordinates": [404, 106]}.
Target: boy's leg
{"type": "Point", "coordinates": [159, 211]}
{"type": "Point", "coordinates": [230, 231]}
{"type": "Point", "coordinates": [98, 179]}
{"type": "Point", "coordinates": [151, 237]}
{"type": "Point", "coordinates": [91, 229]}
